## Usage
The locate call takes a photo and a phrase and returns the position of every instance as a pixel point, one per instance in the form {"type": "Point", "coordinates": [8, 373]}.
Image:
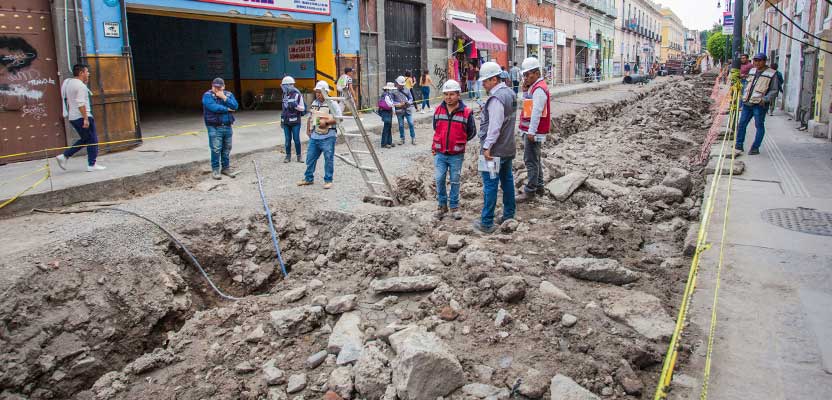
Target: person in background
{"type": "Point", "coordinates": [409, 84]}
{"type": "Point", "coordinates": [322, 131]}
{"type": "Point", "coordinates": [758, 93]}
{"type": "Point", "coordinates": [425, 84]}
{"type": "Point", "coordinates": [745, 68]}
{"type": "Point", "coordinates": [514, 75]}
{"type": "Point", "coordinates": [290, 118]}
{"type": "Point", "coordinates": [504, 76]}
{"type": "Point", "coordinates": [534, 126]}
{"type": "Point", "coordinates": [404, 109]}
{"type": "Point", "coordinates": [386, 105]}
{"type": "Point", "coordinates": [77, 108]}
{"type": "Point", "coordinates": [627, 68]}
{"type": "Point", "coordinates": [344, 84]}
{"type": "Point", "coordinates": [453, 127]}
{"type": "Point", "coordinates": [471, 81]}
{"type": "Point", "coordinates": [780, 81]}
{"type": "Point", "coordinates": [218, 107]}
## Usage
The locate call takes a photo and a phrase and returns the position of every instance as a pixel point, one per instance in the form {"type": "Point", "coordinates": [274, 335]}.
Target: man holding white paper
{"type": "Point", "coordinates": [498, 148]}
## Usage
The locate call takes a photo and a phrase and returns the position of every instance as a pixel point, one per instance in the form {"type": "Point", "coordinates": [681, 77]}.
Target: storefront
{"type": "Point", "coordinates": [473, 44]}
{"type": "Point", "coordinates": [532, 41]}
{"type": "Point", "coordinates": [547, 46]}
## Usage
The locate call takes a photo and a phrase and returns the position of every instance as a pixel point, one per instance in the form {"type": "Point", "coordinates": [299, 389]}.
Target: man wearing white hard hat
{"type": "Point", "coordinates": [534, 126]}
{"type": "Point", "coordinates": [497, 140]}
{"type": "Point", "coordinates": [322, 132]}
{"type": "Point", "coordinates": [293, 110]}
{"type": "Point", "coordinates": [404, 109]}
{"type": "Point", "coordinates": [453, 127]}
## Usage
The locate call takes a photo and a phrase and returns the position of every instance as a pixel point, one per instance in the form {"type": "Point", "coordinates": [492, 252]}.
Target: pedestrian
{"type": "Point", "coordinates": [425, 84]}
{"type": "Point", "coordinates": [386, 105]}
{"type": "Point", "coordinates": [780, 81]}
{"type": "Point", "coordinates": [218, 107]}
{"type": "Point", "coordinates": [635, 69]}
{"type": "Point", "coordinates": [404, 109]}
{"type": "Point", "coordinates": [409, 83]}
{"type": "Point", "coordinates": [745, 68]}
{"type": "Point", "coordinates": [514, 74]}
{"type": "Point", "coordinates": [505, 77]}
{"type": "Point", "coordinates": [627, 68]}
{"type": "Point", "coordinates": [77, 109]}
{"type": "Point", "coordinates": [453, 127]}
{"type": "Point", "coordinates": [534, 126]}
{"type": "Point", "coordinates": [344, 84]}
{"type": "Point", "coordinates": [497, 142]}
{"type": "Point", "coordinates": [471, 81]}
{"type": "Point", "coordinates": [321, 129]}
{"type": "Point", "coordinates": [756, 97]}
{"type": "Point", "coordinates": [290, 119]}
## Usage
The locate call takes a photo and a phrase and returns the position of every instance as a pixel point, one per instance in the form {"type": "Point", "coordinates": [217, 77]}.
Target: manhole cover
{"type": "Point", "coordinates": [804, 220]}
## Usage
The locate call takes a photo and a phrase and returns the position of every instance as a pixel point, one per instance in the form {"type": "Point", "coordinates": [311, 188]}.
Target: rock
{"type": "Point", "coordinates": [568, 320]}
{"type": "Point", "coordinates": [294, 294]}
{"type": "Point", "coordinates": [629, 380]}
{"type": "Point", "coordinates": [340, 382]}
{"type": "Point", "coordinates": [638, 310]}
{"type": "Point", "coordinates": [606, 188]}
{"type": "Point", "coordinates": [347, 337]}
{"type": "Point", "coordinates": [320, 300]}
{"type": "Point", "coordinates": [405, 284]}
{"type": "Point", "coordinates": [331, 395]}
{"type": "Point", "coordinates": [564, 388]}
{"type": "Point", "coordinates": [424, 367]}
{"type": "Point", "coordinates": [274, 375]}
{"type": "Point", "coordinates": [316, 359]}
{"type": "Point", "coordinates": [320, 261]}
{"type": "Point", "coordinates": [483, 391]}
{"type": "Point", "coordinates": [513, 290]}
{"type": "Point", "coordinates": [690, 240]}
{"type": "Point", "coordinates": [150, 361]}
{"type": "Point", "coordinates": [372, 372]}
{"type": "Point", "coordinates": [314, 285]}
{"type": "Point", "coordinates": [390, 393]}
{"type": "Point", "coordinates": [679, 179]}
{"type": "Point", "coordinates": [739, 167]}
{"type": "Point", "coordinates": [296, 321]}
{"type": "Point", "coordinates": [534, 384]}
{"type": "Point", "coordinates": [244, 367]}
{"type": "Point", "coordinates": [257, 334]}
{"type": "Point", "coordinates": [503, 318]}
{"type": "Point", "coordinates": [455, 242]}
{"type": "Point", "coordinates": [563, 187]}
{"type": "Point", "coordinates": [277, 394]}
{"type": "Point", "coordinates": [663, 193]}
{"type": "Point", "coordinates": [552, 292]}
{"type": "Point", "coordinates": [420, 264]}
{"type": "Point", "coordinates": [483, 372]}
{"type": "Point", "coordinates": [342, 304]}
{"type": "Point", "coordinates": [479, 259]}
{"type": "Point", "coordinates": [509, 225]}
{"type": "Point", "coordinates": [448, 313]}
{"type": "Point", "coordinates": [241, 236]}
{"type": "Point", "coordinates": [597, 269]}
{"type": "Point", "coordinates": [296, 383]}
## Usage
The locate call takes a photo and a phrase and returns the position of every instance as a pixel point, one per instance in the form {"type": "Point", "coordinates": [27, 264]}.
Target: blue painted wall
{"type": "Point", "coordinates": [105, 11]}
{"type": "Point", "coordinates": [279, 64]}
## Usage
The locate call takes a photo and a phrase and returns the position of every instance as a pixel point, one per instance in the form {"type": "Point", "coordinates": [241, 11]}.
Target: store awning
{"type": "Point", "coordinates": [589, 44]}
{"type": "Point", "coordinates": [484, 39]}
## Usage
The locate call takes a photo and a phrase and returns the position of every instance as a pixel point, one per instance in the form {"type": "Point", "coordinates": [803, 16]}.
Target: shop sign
{"type": "Point", "coordinates": [727, 23]}
{"type": "Point", "coordinates": [561, 41]}
{"type": "Point", "coordinates": [532, 35]}
{"type": "Point", "coordinates": [304, 6]}
{"type": "Point", "coordinates": [302, 50]}
{"type": "Point", "coordinates": [547, 38]}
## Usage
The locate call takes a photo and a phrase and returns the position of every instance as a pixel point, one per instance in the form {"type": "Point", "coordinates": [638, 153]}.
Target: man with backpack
{"type": "Point", "coordinates": [344, 84]}
{"type": "Point", "coordinates": [293, 110]}
{"type": "Point", "coordinates": [453, 127]}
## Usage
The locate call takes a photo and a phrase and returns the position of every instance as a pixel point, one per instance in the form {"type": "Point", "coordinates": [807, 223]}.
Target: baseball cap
{"type": "Point", "coordinates": [761, 56]}
{"type": "Point", "coordinates": [347, 70]}
{"type": "Point", "coordinates": [218, 82]}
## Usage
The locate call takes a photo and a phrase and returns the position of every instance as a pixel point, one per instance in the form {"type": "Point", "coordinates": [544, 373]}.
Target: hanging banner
{"type": "Point", "coordinates": [727, 23]}
{"type": "Point", "coordinates": [304, 6]}
{"type": "Point", "coordinates": [532, 35]}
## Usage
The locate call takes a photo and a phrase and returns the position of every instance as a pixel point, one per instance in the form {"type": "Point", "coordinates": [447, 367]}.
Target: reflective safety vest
{"type": "Point", "coordinates": [451, 132]}
{"type": "Point", "coordinates": [526, 112]}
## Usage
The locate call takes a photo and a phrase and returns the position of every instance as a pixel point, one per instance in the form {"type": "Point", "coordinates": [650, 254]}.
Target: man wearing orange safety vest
{"type": "Point", "coordinates": [534, 126]}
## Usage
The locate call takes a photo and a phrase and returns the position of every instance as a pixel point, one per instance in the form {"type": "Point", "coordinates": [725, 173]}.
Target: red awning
{"type": "Point", "coordinates": [484, 39]}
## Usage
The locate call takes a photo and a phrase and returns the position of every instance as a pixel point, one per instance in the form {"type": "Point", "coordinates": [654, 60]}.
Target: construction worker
{"type": "Point", "coordinates": [498, 148]}
{"type": "Point", "coordinates": [758, 93]}
{"type": "Point", "coordinates": [293, 109]}
{"type": "Point", "coordinates": [404, 109]}
{"type": "Point", "coordinates": [321, 129]}
{"type": "Point", "coordinates": [218, 107]}
{"type": "Point", "coordinates": [453, 127]}
{"type": "Point", "coordinates": [534, 126]}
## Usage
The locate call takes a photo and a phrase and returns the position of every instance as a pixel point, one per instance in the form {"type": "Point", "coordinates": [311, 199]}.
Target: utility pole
{"type": "Point", "coordinates": [737, 42]}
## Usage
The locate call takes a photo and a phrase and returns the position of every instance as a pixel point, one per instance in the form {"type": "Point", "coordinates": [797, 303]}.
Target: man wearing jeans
{"type": "Point", "coordinates": [453, 127]}
{"type": "Point", "coordinates": [497, 139]}
{"type": "Point", "coordinates": [759, 92]}
{"type": "Point", "coordinates": [404, 111]}
{"type": "Point", "coordinates": [77, 109]}
{"type": "Point", "coordinates": [322, 131]}
{"type": "Point", "coordinates": [293, 109]}
{"type": "Point", "coordinates": [218, 105]}
{"type": "Point", "coordinates": [534, 126]}
{"type": "Point", "coordinates": [515, 74]}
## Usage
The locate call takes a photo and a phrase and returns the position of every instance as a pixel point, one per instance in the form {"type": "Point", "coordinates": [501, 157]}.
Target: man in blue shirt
{"type": "Point", "coordinates": [218, 106]}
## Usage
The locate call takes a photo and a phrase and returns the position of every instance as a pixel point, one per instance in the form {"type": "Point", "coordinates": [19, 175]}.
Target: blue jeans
{"type": "Point", "coordinates": [409, 119]}
{"type": "Point", "coordinates": [447, 164]}
{"type": "Point", "coordinates": [425, 97]}
{"type": "Point", "coordinates": [516, 85]}
{"type": "Point", "coordinates": [88, 137]}
{"type": "Point", "coordinates": [291, 132]}
{"type": "Point", "coordinates": [387, 130]}
{"type": "Point", "coordinates": [313, 152]}
{"type": "Point", "coordinates": [219, 138]}
{"type": "Point", "coordinates": [758, 111]}
{"type": "Point", "coordinates": [472, 89]}
{"type": "Point", "coordinates": [504, 179]}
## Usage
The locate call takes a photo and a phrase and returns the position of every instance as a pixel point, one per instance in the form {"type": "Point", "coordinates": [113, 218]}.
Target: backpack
{"type": "Point", "coordinates": [382, 105]}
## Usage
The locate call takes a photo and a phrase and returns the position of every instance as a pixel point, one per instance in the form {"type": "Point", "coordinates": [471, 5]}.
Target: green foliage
{"type": "Point", "coordinates": [717, 45]}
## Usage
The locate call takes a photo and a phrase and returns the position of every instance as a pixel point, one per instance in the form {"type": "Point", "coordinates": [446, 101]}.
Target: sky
{"type": "Point", "coordinates": [696, 14]}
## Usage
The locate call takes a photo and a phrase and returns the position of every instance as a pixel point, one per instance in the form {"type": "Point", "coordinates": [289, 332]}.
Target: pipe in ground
{"type": "Point", "coordinates": [271, 223]}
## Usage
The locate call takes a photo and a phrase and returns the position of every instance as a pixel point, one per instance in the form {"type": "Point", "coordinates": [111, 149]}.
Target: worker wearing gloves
{"type": "Point", "coordinates": [497, 140]}
{"type": "Point", "coordinates": [453, 127]}
{"type": "Point", "coordinates": [534, 126]}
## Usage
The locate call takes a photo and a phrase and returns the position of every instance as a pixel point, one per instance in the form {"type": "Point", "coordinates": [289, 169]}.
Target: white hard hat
{"type": "Point", "coordinates": [400, 80]}
{"type": "Point", "coordinates": [322, 86]}
{"type": "Point", "coordinates": [530, 64]}
{"type": "Point", "coordinates": [490, 70]}
{"type": "Point", "coordinates": [389, 86]}
{"type": "Point", "coordinates": [451, 86]}
{"type": "Point", "coordinates": [288, 80]}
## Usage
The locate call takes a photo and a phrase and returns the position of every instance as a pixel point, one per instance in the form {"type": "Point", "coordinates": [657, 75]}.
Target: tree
{"type": "Point", "coordinates": [718, 45]}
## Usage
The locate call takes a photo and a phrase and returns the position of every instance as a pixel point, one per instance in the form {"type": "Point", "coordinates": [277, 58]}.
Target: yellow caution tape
{"type": "Point", "coordinates": [34, 185]}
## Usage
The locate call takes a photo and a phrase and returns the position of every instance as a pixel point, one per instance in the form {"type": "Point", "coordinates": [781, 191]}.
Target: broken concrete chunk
{"type": "Point", "coordinates": [455, 242]}
{"type": "Point", "coordinates": [274, 375]}
{"type": "Point", "coordinates": [679, 179]}
{"type": "Point", "coordinates": [663, 193]}
{"type": "Point", "coordinates": [257, 334]}
{"type": "Point", "coordinates": [534, 384]}
{"type": "Point", "coordinates": [420, 264]}
{"type": "Point", "coordinates": [503, 318]}
{"type": "Point", "coordinates": [638, 310]}
{"type": "Point", "coordinates": [483, 391]}
{"type": "Point", "coordinates": [296, 321]}
{"type": "Point", "coordinates": [568, 320]}
{"type": "Point", "coordinates": [564, 388]}
{"type": "Point", "coordinates": [739, 167]}
{"type": "Point", "coordinates": [606, 188]}
{"type": "Point", "coordinates": [296, 383]}
{"type": "Point", "coordinates": [424, 367]}
{"type": "Point", "coordinates": [563, 187]}
{"type": "Point", "coordinates": [597, 269]}
{"type": "Point", "coordinates": [316, 359]}
{"type": "Point", "coordinates": [342, 304]}
{"type": "Point", "coordinates": [150, 361]}
{"type": "Point", "coordinates": [294, 294]}
{"type": "Point", "coordinates": [372, 372]}
{"type": "Point", "coordinates": [629, 380]}
{"type": "Point", "coordinates": [244, 367]}
{"type": "Point", "coordinates": [405, 284]}
{"type": "Point", "coordinates": [340, 382]}
{"type": "Point", "coordinates": [552, 292]}
{"type": "Point", "coordinates": [347, 331]}
{"type": "Point", "coordinates": [513, 289]}
{"type": "Point", "coordinates": [691, 240]}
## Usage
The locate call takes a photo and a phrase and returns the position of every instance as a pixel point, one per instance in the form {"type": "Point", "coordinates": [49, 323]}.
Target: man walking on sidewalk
{"type": "Point", "coordinates": [453, 127]}
{"type": "Point", "coordinates": [218, 106]}
{"type": "Point", "coordinates": [497, 140]}
{"type": "Point", "coordinates": [293, 110]}
{"type": "Point", "coordinates": [78, 110]}
{"type": "Point", "coordinates": [757, 95]}
{"type": "Point", "coordinates": [514, 74]}
{"type": "Point", "coordinates": [322, 131]}
{"type": "Point", "coordinates": [534, 126]}
{"type": "Point", "coordinates": [773, 102]}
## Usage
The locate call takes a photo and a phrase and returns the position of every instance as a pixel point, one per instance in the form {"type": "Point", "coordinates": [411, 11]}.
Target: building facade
{"type": "Point", "coordinates": [638, 34]}
{"type": "Point", "coordinates": [602, 19]}
{"type": "Point", "coordinates": [537, 35]}
{"type": "Point", "coordinates": [673, 36]}
{"type": "Point", "coordinates": [693, 43]}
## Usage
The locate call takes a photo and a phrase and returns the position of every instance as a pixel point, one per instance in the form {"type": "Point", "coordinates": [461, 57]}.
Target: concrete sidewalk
{"type": "Point", "coordinates": [774, 331]}
{"type": "Point", "coordinates": [254, 131]}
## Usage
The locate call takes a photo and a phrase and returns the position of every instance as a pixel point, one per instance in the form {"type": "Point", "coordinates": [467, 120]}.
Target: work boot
{"type": "Point", "coordinates": [61, 159]}
{"type": "Point", "coordinates": [541, 191]}
{"type": "Point", "coordinates": [754, 152]}
{"type": "Point", "coordinates": [304, 183]}
{"type": "Point", "coordinates": [737, 152]}
{"type": "Point", "coordinates": [478, 226]}
{"type": "Point", "coordinates": [299, 159]}
{"type": "Point", "coordinates": [413, 141]}
{"type": "Point", "coordinates": [229, 173]}
{"type": "Point", "coordinates": [440, 212]}
{"type": "Point", "coordinates": [456, 214]}
{"type": "Point", "coordinates": [216, 174]}
{"type": "Point", "coordinates": [287, 159]}
{"type": "Point", "coordinates": [525, 197]}
{"type": "Point", "coordinates": [401, 142]}
{"type": "Point", "coordinates": [327, 185]}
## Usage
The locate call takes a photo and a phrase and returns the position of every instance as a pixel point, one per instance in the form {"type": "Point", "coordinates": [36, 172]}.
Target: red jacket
{"type": "Point", "coordinates": [526, 119]}
{"type": "Point", "coordinates": [452, 131]}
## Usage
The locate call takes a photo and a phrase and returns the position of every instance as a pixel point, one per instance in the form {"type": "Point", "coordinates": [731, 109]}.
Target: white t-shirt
{"type": "Point", "coordinates": [75, 94]}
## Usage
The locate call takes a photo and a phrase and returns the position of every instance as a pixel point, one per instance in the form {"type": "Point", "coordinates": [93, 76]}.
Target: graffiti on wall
{"type": "Point", "coordinates": [441, 74]}
{"type": "Point", "coordinates": [22, 87]}
{"type": "Point", "coordinates": [18, 54]}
